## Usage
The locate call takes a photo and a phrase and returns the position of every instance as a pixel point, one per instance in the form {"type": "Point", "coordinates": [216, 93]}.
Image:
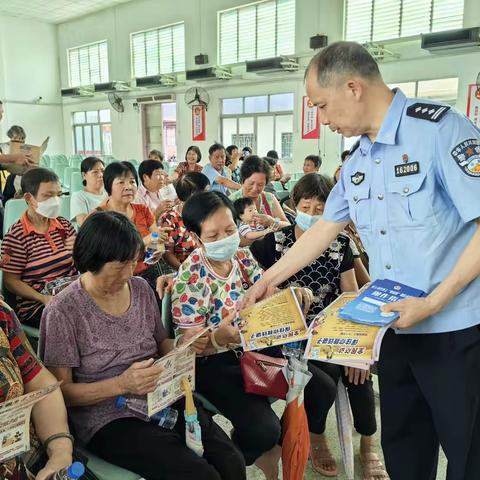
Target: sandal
{"type": "Point", "coordinates": [323, 461]}
{"type": "Point", "coordinates": [373, 468]}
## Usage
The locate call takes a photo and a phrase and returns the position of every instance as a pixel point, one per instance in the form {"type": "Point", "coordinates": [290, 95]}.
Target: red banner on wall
{"type": "Point", "coordinates": [198, 123]}
{"type": "Point", "coordinates": [473, 104]}
{"type": "Point", "coordinates": [310, 122]}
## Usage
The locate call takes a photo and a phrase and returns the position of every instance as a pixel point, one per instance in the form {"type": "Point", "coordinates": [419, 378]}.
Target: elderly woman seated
{"type": "Point", "coordinates": [23, 373]}
{"type": "Point", "coordinates": [101, 336]}
{"type": "Point", "coordinates": [121, 184]}
{"type": "Point", "coordinates": [38, 247]}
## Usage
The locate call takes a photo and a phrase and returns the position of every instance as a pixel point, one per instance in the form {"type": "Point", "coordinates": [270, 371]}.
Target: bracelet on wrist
{"type": "Point", "coordinates": [177, 340]}
{"type": "Point", "coordinates": [56, 436]}
{"type": "Point", "coordinates": [214, 343]}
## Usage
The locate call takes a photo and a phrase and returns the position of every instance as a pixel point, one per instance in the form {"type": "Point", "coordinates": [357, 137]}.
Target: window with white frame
{"type": "Point", "coordinates": [444, 90]}
{"type": "Point", "coordinates": [88, 64]}
{"type": "Point", "coordinates": [261, 122]}
{"type": "Point", "coordinates": [92, 132]}
{"type": "Point", "coordinates": [257, 30]}
{"type": "Point", "coordinates": [376, 20]}
{"type": "Point", "coordinates": [158, 51]}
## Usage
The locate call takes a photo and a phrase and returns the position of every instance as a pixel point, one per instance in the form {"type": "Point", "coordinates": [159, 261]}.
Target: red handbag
{"type": "Point", "coordinates": [263, 375]}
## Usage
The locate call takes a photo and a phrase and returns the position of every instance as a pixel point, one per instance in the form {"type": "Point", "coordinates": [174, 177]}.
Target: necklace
{"type": "Point", "coordinates": [210, 266]}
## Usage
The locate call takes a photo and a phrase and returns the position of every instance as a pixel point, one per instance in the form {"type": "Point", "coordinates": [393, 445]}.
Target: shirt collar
{"type": "Point", "coordinates": [29, 228]}
{"type": "Point", "coordinates": [388, 130]}
{"type": "Point", "coordinates": [147, 193]}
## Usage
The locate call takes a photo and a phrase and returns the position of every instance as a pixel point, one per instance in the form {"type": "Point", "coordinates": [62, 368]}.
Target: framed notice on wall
{"type": "Point", "coordinates": [310, 122]}
{"type": "Point", "coordinates": [198, 123]}
{"type": "Point", "coordinates": [473, 104]}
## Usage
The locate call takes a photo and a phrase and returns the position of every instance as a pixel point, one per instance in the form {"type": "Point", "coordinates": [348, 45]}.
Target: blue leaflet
{"type": "Point", "coordinates": [366, 307]}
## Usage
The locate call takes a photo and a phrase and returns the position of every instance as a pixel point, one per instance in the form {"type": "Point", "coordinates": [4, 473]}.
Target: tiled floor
{"type": "Point", "coordinates": [254, 473]}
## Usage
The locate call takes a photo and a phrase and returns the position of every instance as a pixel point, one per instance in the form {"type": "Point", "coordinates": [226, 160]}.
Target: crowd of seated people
{"type": "Point", "coordinates": [101, 335]}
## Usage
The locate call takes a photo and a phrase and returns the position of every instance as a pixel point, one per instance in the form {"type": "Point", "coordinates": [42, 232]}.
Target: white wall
{"type": "Point", "coordinates": [200, 16]}
{"type": "Point", "coordinates": [29, 69]}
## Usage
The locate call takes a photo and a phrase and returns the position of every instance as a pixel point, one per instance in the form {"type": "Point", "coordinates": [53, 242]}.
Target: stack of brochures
{"type": "Point", "coordinates": [366, 307]}
{"type": "Point", "coordinates": [342, 342]}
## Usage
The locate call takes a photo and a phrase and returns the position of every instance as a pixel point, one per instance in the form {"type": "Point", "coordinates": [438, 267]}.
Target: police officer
{"type": "Point", "coordinates": [412, 189]}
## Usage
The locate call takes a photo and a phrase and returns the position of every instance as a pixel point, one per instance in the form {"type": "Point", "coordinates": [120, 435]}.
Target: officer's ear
{"type": "Point", "coordinates": [355, 88]}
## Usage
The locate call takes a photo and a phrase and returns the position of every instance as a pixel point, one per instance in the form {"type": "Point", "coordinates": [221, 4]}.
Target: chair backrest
{"type": "Point", "coordinates": [167, 317]}
{"type": "Point", "coordinates": [65, 206]}
{"type": "Point", "coordinates": [59, 169]}
{"type": "Point", "coordinates": [67, 176]}
{"type": "Point", "coordinates": [14, 209]}
{"type": "Point", "coordinates": [76, 182]}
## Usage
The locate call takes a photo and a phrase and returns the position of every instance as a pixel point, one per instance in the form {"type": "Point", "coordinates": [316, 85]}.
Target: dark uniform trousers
{"type": "Point", "coordinates": [429, 396]}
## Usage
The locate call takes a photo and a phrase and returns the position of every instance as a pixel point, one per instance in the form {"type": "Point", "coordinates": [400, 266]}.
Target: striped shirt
{"type": "Point", "coordinates": [37, 258]}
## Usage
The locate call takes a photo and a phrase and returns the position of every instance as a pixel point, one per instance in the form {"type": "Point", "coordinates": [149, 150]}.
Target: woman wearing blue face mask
{"type": "Point", "coordinates": [328, 276]}
{"type": "Point", "coordinates": [208, 286]}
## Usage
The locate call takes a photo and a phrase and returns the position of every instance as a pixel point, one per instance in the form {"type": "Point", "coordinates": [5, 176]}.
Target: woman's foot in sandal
{"type": "Point", "coordinates": [373, 468]}
{"type": "Point", "coordinates": [321, 457]}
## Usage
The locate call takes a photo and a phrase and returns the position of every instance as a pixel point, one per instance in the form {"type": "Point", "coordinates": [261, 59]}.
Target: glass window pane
{"type": "Point", "coordinates": [104, 116]}
{"type": "Point", "coordinates": [232, 105]}
{"type": "Point", "coordinates": [107, 139]}
{"type": "Point", "coordinates": [97, 144]}
{"type": "Point", "coordinates": [283, 124]}
{"type": "Point", "coordinates": [265, 138]}
{"type": "Point", "coordinates": [78, 118]}
{"type": "Point", "coordinates": [92, 117]}
{"type": "Point", "coordinates": [229, 130]}
{"type": "Point", "coordinates": [245, 125]}
{"type": "Point", "coordinates": [79, 140]}
{"type": "Point", "coordinates": [169, 111]}
{"type": "Point", "coordinates": [281, 102]}
{"type": "Point", "coordinates": [87, 132]}
{"type": "Point", "coordinates": [256, 104]}
{"type": "Point", "coordinates": [439, 90]}
{"type": "Point", "coordinates": [408, 88]}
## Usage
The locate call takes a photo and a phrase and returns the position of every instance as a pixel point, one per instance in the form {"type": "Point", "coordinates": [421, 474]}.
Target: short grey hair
{"type": "Point", "coordinates": [342, 59]}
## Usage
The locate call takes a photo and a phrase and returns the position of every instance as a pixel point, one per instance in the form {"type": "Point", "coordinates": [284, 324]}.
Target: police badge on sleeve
{"type": "Point", "coordinates": [467, 156]}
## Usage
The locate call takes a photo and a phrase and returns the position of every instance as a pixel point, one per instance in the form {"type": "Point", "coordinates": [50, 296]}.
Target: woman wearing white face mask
{"type": "Point", "coordinates": [208, 286]}
{"type": "Point", "coordinates": [38, 248]}
{"type": "Point", "coordinates": [328, 276]}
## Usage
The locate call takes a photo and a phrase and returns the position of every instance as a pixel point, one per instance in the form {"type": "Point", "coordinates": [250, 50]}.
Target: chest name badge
{"type": "Point", "coordinates": [357, 178]}
{"type": "Point", "coordinates": [467, 157]}
{"type": "Point", "coordinates": [405, 169]}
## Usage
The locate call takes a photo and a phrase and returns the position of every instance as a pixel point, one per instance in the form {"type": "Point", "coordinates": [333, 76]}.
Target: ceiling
{"type": "Point", "coordinates": [54, 11]}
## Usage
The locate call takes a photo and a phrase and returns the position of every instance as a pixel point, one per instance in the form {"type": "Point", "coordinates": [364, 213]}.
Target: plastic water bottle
{"type": "Point", "coordinates": [151, 250]}
{"type": "Point", "coordinates": [73, 472]}
{"type": "Point", "coordinates": [166, 418]}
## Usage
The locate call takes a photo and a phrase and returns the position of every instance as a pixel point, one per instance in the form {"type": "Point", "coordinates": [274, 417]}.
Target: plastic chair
{"type": "Point", "coordinates": [65, 206]}
{"type": "Point", "coordinates": [76, 182]}
{"type": "Point", "coordinates": [66, 176]}
{"type": "Point", "coordinates": [59, 169]}
{"type": "Point", "coordinates": [278, 186]}
{"type": "Point", "coordinates": [291, 184]}
{"type": "Point", "coordinates": [45, 161]}
{"type": "Point", "coordinates": [107, 471]}
{"type": "Point", "coordinates": [14, 209]}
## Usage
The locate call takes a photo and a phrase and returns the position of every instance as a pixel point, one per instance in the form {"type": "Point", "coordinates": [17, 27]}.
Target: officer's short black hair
{"type": "Point", "coordinates": [147, 167]}
{"type": "Point", "coordinates": [255, 164]}
{"type": "Point", "coordinates": [203, 205]}
{"type": "Point", "coordinates": [89, 164]}
{"type": "Point", "coordinates": [113, 171]}
{"type": "Point", "coordinates": [315, 159]}
{"type": "Point", "coordinates": [241, 204]}
{"type": "Point", "coordinates": [106, 237]}
{"type": "Point", "coordinates": [190, 183]}
{"type": "Point", "coordinates": [342, 59]}
{"type": "Point", "coordinates": [312, 185]}
{"type": "Point", "coordinates": [32, 179]}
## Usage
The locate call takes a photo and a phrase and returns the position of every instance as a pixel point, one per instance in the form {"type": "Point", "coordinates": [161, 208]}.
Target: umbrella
{"type": "Point", "coordinates": [296, 437]}
{"type": "Point", "coordinates": [345, 429]}
{"type": "Point", "coordinates": [193, 431]}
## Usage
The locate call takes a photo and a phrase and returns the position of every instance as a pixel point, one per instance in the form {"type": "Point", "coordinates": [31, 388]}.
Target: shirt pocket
{"type": "Point", "coordinates": [359, 205]}
{"type": "Point", "coordinates": [410, 203]}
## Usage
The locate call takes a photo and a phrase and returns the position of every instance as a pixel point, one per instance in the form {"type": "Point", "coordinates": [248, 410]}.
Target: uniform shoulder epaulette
{"type": "Point", "coordinates": [427, 111]}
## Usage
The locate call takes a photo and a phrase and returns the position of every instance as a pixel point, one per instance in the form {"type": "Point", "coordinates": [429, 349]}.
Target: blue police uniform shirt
{"type": "Point", "coordinates": [413, 195]}
{"type": "Point", "coordinates": [213, 174]}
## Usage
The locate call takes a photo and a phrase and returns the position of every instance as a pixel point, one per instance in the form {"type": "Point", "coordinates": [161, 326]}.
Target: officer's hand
{"type": "Point", "coordinates": [412, 310]}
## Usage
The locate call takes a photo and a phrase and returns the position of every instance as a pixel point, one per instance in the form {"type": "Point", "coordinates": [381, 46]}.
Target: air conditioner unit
{"type": "Point", "coordinates": [465, 38]}
{"type": "Point", "coordinates": [85, 91]}
{"type": "Point", "coordinates": [156, 81]}
{"type": "Point", "coordinates": [117, 86]}
{"type": "Point", "coordinates": [218, 72]}
{"type": "Point", "coordinates": [169, 97]}
{"type": "Point", "coordinates": [275, 64]}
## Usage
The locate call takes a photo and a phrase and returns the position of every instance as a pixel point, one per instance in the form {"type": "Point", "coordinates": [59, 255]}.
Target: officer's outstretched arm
{"type": "Point", "coordinates": [306, 249]}
{"type": "Point", "coordinates": [466, 269]}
